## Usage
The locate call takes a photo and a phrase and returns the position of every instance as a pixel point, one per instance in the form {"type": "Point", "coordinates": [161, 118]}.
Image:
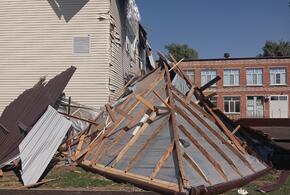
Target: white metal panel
{"type": "Point", "coordinates": [41, 143]}
{"type": "Point", "coordinates": [36, 40]}
{"type": "Point", "coordinates": [279, 106]}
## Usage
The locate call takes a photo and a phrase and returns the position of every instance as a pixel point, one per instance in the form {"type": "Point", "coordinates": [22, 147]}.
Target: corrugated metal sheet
{"type": "Point", "coordinates": [21, 114]}
{"type": "Point", "coordinates": [41, 143]}
{"type": "Point", "coordinates": [36, 40]}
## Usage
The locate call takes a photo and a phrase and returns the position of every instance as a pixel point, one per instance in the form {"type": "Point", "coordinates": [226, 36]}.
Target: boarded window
{"type": "Point", "coordinates": [81, 45]}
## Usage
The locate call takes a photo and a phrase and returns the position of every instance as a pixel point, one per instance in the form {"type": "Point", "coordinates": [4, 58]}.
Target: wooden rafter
{"type": "Point", "coordinates": [133, 140]}
{"type": "Point", "coordinates": [196, 167]}
{"type": "Point", "coordinates": [182, 178]}
{"type": "Point", "coordinates": [162, 100]}
{"type": "Point", "coordinates": [215, 164]}
{"type": "Point", "coordinates": [207, 138]}
{"type": "Point", "coordinates": [162, 160]}
{"type": "Point", "coordinates": [189, 95]}
{"type": "Point", "coordinates": [222, 139]}
{"type": "Point", "coordinates": [145, 102]}
{"type": "Point", "coordinates": [111, 113]}
{"type": "Point", "coordinates": [146, 144]}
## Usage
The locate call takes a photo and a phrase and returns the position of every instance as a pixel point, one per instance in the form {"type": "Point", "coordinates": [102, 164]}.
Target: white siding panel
{"type": "Point", "coordinates": [35, 42]}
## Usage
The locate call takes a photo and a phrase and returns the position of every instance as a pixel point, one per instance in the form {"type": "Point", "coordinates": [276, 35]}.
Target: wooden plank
{"type": "Point", "coordinates": [133, 140]}
{"type": "Point", "coordinates": [236, 129]}
{"type": "Point", "coordinates": [101, 151]}
{"type": "Point", "coordinates": [95, 143]}
{"type": "Point", "coordinates": [145, 102]}
{"type": "Point", "coordinates": [227, 132]}
{"type": "Point", "coordinates": [123, 113]}
{"type": "Point", "coordinates": [176, 64]}
{"type": "Point", "coordinates": [189, 95]}
{"type": "Point", "coordinates": [79, 147]}
{"type": "Point", "coordinates": [183, 181]}
{"type": "Point", "coordinates": [196, 167]}
{"type": "Point", "coordinates": [211, 160]}
{"type": "Point", "coordinates": [162, 100]}
{"type": "Point", "coordinates": [81, 119]}
{"type": "Point", "coordinates": [131, 176]}
{"type": "Point", "coordinates": [111, 113]}
{"type": "Point", "coordinates": [162, 160]}
{"type": "Point", "coordinates": [146, 144]}
{"type": "Point", "coordinates": [210, 83]}
{"type": "Point", "coordinates": [208, 139]}
{"type": "Point", "coordinates": [177, 93]}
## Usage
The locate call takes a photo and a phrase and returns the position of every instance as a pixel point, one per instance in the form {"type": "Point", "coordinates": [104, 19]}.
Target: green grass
{"type": "Point", "coordinates": [253, 186]}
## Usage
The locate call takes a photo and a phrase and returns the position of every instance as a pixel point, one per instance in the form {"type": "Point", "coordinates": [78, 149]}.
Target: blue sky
{"type": "Point", "coordinates": [214, 27]}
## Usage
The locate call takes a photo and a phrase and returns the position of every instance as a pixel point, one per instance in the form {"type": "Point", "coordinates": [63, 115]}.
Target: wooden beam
{"type": "Point", "coordinates": [211, 160]}
{"type": "Point", "coordinates": [210, 141]}
{"type": "Point", "coordinates": [162, 160]}
{"type": "Point", "coordinates": [196, 167]}
{"type": "Point", "coordinates": [81, 119]}
{"type": "Point", "coordinates": [236, 129]}
{"type": "Point", "coordinates": [189, 95]}
{"type": "Point", "coordinates": [145, 102]}
{"type": "Point", "coordinates": [210, 83]}
{"type": "Point", "coordinates": [162, 100]}
{"type": "Point", "coordinates": [79, 147]}
{"type": "Point", "coordinates": [133, 140]}
{"type": "Point", "coordinates": [146, 144]}
{"type": "Point", "coordinates": [183, 181]}
{"type": "Point", "coordinates": [233, 138]}
{"type": "Point", "coordinates": [131, 177]}
{"type": "Point", "coordinates": [111, 113]}
{"type": "Point", "coordinates": [176, 64]}
{"type": "Point", "coordinates": [123, 113]}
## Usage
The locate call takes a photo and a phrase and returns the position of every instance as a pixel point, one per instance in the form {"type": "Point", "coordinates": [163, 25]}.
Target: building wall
{"type": "Point", "coordinates": [242, 90]}
{"type": "Point", "coordinates": [36, 40]}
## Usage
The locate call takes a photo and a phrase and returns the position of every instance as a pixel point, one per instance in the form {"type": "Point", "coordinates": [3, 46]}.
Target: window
{"type": "Point", "coordinates": [81, 45]}
{"type": "Point", "coordinates": [255, 106]}
{"type": "Point", "coordinates": [207, 75]}
{"type": "Point", "coordinates": [190, 74]}
{"type": "Point", "coordinates": [277, 76]}
{"type": "Point", "coordinates": [232, 104]}
{"type": "Point", "coordinates": [213, 100]}
{"type": "Point", "coordinates": [231, 77]}
{"type": "Point", "coordinates": [255, 76]}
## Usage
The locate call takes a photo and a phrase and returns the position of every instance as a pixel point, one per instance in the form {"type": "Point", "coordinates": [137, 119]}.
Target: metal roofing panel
{"type": "Point", "coordinates": [21, 114]}
{"type": "Point", "coordinates": [41, 143]}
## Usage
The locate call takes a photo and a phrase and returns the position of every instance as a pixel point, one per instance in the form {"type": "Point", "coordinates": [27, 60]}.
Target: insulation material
{"type": "Point", "coordinates": [41, 143]}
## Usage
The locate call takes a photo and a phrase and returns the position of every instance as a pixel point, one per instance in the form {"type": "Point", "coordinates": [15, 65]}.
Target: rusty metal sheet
{"type": "Point", "coordinates": [20, 115]}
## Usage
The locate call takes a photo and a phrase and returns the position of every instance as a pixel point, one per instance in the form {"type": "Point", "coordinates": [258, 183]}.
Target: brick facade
{"type": "Point", "coordinates": [243, 90]}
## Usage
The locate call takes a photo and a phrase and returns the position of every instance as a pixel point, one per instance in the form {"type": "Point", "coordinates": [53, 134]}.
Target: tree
{"type": "Point", "coordinates": [180, 51]}
{"type": "Point", "coordinates": [273, 49]}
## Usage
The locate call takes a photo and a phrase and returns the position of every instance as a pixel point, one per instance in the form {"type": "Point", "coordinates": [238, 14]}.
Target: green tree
{"type": "Point", "coordinates": [180, 51]}
{"type": "Point", "coordinates": [273, 49]}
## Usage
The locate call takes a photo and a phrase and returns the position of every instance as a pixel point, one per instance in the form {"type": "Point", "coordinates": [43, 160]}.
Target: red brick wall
{"type": "Point", "coordinates": [243, 90]}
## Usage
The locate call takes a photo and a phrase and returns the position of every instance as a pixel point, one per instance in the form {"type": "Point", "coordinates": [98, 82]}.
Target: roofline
{"type": "Point", "coordinates": [244, 58]}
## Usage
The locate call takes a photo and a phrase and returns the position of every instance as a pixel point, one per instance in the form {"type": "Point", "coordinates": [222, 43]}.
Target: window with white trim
{"type": "Point", "coordinates": [232, 105]}
{"type": "Point", "coordinates": [277, 76]}
{"type": "Point", "coordinates": [207, 75]}
{"type": "Point", "coordinates": [81, 45]}
{"type": "Point", "coordinates": [190, 74]}
{"type": "Point", "coordinates": [231, 77]}
{"type": "Point", "coordinates": [254, 76]}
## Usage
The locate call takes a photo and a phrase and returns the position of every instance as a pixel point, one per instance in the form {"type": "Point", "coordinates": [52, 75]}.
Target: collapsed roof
{"type": "Point", "coordinates": [156, 137]}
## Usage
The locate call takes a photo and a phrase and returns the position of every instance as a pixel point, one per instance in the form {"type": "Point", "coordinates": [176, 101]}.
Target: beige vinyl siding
{"type": "Point", "coordinates": [35, 42]}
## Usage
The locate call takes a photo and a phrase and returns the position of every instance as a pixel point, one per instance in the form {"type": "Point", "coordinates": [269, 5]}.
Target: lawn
{"type": "Point", "coordinates": [271, 177]}
{"type": "Point", "coordinates": [81, 179]}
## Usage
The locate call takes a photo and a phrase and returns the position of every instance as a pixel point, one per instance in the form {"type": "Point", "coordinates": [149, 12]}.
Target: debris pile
{"type": "Point", "coordinates": [161, 134]}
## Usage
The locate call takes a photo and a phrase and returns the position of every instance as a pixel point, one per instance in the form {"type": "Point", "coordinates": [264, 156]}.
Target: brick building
{"type": "Point", "coordinates": [249, 88]}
